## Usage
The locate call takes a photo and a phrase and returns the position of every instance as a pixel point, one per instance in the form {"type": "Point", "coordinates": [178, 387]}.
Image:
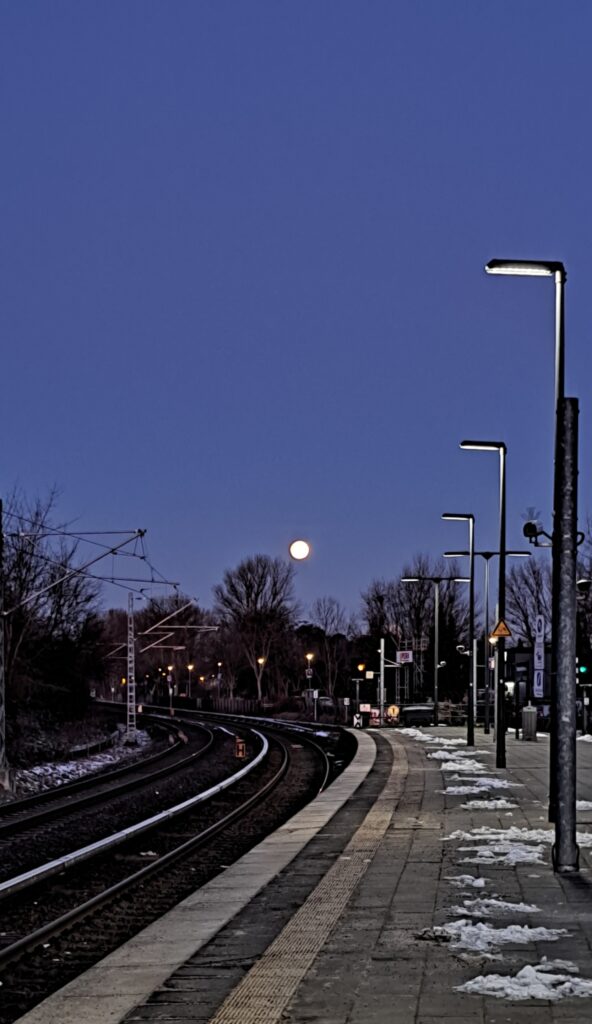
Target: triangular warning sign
{"type": "Point", "coordinates": [501, 630]}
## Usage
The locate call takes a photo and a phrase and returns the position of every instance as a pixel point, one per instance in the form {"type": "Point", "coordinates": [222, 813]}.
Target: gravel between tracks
{"type": "Point", "coordinates": [28, 981]}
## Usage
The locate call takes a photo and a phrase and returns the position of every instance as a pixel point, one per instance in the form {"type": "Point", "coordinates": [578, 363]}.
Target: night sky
{"type": "Point", "coordinates": [242, 293]}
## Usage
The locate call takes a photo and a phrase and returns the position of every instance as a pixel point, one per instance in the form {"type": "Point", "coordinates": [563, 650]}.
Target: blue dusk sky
{"type": "Point", "coordinates": [242, 291]}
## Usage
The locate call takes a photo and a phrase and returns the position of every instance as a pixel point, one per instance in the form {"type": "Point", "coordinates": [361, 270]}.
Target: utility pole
{"type": "Point", "coordinates": [131, 671]}
{"type": "Point", "coordinates": [565, 849]}
{"type": "Point", "coordinates": [4, 778]}
{"type": "Point", "coordinates": [381, 685]}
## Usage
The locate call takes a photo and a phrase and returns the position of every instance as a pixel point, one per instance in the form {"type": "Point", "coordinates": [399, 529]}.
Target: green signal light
{"type": "Point", "coordinates": [582, 668]}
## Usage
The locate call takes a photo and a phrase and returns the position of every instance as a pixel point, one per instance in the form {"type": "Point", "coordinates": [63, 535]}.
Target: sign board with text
{"type": "Point", "coordinates": [405, 657]}
{"type": "Point", "coordinates": [538, 686]}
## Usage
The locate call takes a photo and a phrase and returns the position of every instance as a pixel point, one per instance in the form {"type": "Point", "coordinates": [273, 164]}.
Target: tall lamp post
{"type": "Point", "coordinates": [189, 671]}
{"type": "Point", "coordinates": [486, 556]}
{"type": "Point", "coordinates": [555, 269]}
{"type": "Point", "coordinates": [562, 760]}
{"type": "Point", "coordinates": [499, 681]}
{"type": "Point", "coordinates": [469, 518]}
{"type": "Point", "coordinates": [436, 580]}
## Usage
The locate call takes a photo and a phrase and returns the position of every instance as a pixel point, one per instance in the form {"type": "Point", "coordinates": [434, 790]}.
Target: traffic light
{"type": "Point", "coordinates": [582, 669]}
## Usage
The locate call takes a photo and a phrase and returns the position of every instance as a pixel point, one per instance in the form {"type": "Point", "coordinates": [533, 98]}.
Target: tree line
{"type": "Point", "coordinates": [61, 644]}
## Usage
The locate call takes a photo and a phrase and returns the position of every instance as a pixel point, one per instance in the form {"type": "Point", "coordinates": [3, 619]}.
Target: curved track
{"type": "Point", "coordinates": [66, 922]}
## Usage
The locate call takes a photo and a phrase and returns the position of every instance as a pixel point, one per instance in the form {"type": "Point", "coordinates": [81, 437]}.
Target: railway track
{"type": "Point", "coordinates": [62, 799]}
{"type": "Point", "coordinates": [59, 920]}
{"type": "Point", "coordinates": [49, 832]}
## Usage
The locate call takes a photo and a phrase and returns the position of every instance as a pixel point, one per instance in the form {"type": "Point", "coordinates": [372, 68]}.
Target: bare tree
{"type": "Point", "coordinates": [46, 601]}
{"type": "Point", "coordinates": [528, 594]}
{"type": "Point", "coordinates": [256, 602]}
{"type": "Point", "coordinates": [331, 619]}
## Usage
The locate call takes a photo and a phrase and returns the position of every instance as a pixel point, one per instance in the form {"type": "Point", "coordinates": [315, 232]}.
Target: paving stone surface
{"type": "Point", "coordinates": [384, 962]}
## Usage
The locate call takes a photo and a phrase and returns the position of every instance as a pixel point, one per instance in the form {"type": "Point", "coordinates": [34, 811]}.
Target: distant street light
{"type": "Point", "coordinates": [500, 667]}
{"type": "Point", "coordinates": [436, 580]}
{"type": "Point", "coordinates": [189, 671]}
{"type": "Point", "coordinates": [469, 518]}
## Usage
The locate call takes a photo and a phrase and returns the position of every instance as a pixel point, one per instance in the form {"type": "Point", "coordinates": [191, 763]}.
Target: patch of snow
{"type": "Point", "coordinates": [488, 805]}
{"type": "Point", "coordinates": [481, 938]}
{"type": "Point", "coordinates": [489, 783]}
{"type": "Point", "coordinates": [585, 739]}
{"type": "Point", "coordinates": [473, 881]}
{"type": "Point", "coordinates": [490, 907]}
{"type": "Point", "coordinates": [415, 734]}
{"type": "Point", "coordinates": [461, 790]}
{"type": "Point", "coordinates": [532, 982]}
{"type": "Point", "coordinates": [583, 805]}
{"type": "Point", "coordinates": [44, 776]}
{"type": "Point", "coordinates": [509, 854]}
{"type": "Point", "coordinates": [443, 741]}
{"type": "Point", "coordinates": [558, 965]}
{"type": "Point", "coordinates": [515, 834]}
{"type": "Point", "coordinates": [443, 755]}
{"type": "Point", "coordinates": [462, 766]}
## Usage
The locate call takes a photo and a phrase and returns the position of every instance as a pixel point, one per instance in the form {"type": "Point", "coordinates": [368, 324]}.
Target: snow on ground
{"type": "Point", "coordinates": [585, 739]}
{"type": "Point", "coordinates": [532, 982]}
{"type": "Point", "coordinates": [509, 846]}
{"type": "Point", "coordinates": [471, 881]}
{"type": "Point", "coordinates": [583, 805]}
{"type": "Point", "coordinates": [444, 755]}
{"type": "Point", "coordinates": [482, 938]}
{"type": "Point", "coordinates": [416, 734]}
{"type": "Point", "coordinates": [480, 784]}
{"type": "Point", "coordinates": [468, 765]}
{"type": "Point", "coordinates": [514, 834]}
{"type": "Point", "coordinates": [489, 805]}
{"type": "Point", "coordinates": [508, 854]}
{"type": "Point", "coordinates": [44, 776]}
{"type": "Point", "coordinates": [440, 741]}
{"type": "Point", "coordinates": [490, 907]}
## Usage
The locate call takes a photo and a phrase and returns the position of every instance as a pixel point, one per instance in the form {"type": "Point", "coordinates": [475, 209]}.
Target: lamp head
{"type": "Point", "coordinates": [464, 517]}
{"type": "Point", "coordinates": [525, 268]}
{"type": "Point", "coordinates": [483, 446]}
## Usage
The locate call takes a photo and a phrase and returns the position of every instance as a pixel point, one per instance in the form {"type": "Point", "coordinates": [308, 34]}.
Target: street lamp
{"type": "Point", "coordinates": [436, 580]}
{"type": "Point", "coordinates": [486, 556]}
{"type": "Point", "coordinates": [499, 671]}
{"type": "Point", "coordinates": [563, 634]}
{"type": "Point", "coordinates": [189, 671]}
{"type": "Point", "coordinates": [469, 518]}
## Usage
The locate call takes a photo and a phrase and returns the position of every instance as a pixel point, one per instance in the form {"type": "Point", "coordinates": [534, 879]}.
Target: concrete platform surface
{"type": "Point", "coordinates": [418, 889]}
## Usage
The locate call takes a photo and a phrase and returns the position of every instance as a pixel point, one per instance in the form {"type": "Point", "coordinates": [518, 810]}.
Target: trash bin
{"type": "Point", "coordinates": [529, 723]}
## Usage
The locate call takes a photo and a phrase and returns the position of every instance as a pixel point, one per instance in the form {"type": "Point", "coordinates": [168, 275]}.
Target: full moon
{"type": "Point", "coordinates": [299, 549]}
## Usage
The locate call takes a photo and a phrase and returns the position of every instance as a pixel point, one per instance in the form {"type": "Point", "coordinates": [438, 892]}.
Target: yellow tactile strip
{"type": "Point", "coordinates": [272, 981]}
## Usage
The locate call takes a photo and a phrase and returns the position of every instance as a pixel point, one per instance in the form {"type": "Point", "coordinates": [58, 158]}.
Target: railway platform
{"type": "Point", "coordinates": [418, 889]}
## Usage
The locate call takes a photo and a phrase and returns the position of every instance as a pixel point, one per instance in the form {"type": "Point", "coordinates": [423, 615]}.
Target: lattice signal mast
{"type": "Point", "coordinates": [131, 671]}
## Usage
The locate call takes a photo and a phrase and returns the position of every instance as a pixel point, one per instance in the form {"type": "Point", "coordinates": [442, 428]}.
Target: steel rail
{"type": "Point", "coordinates": [96, 778]}
{"type": "Point", "coordinates": [35, 875]}
{"type": "Point", "coordinates": [10, 828]}
{"type": "Point", "coordinates": [52, 928]}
